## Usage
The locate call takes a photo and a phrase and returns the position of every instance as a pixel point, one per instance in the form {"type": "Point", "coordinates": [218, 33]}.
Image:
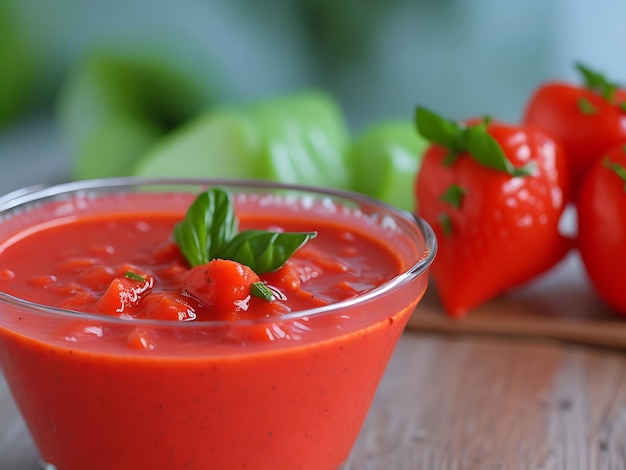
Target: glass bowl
{"type": "Point", "coordinates": [286, 391]}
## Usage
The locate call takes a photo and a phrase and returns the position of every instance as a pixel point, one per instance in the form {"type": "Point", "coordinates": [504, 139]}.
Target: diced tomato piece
{"type": "Point", "coordinates": [265, 332]}
{"type": "Point", "coordinates": [347, 287]}
{"type": "Point", "coordinates": [76, 264]}
{"type": "Point", "coordinates": [221, 284]}
{"type": "Point", "coordinates": [350, 251]}
{"type": "Point", "coordinates": [123, 269]}
{"type": "Point", "coordinates": [42, 281]}
{"type": "Point", "coordinates": [325, 262]}
{"type": "Point", "coordinates": [286, 277]}
{"type": "Point", "coordinates": [140, 339]}
{"type": "Point", "coordinates": [331, 265]}
{"type": "Point", "coordinates": [166, 252]}
{"type": "Point", "coordinates": [97, 277]}
{"type": "Point", "coordinates": [65, 289]}
{"type": "Point", "coordinates": [101, 250]}
{"type": "Point", "coordinates": [263, 308]}
{"type": "Point", "coordinates": [248, 334]}
{"type": "Point", "coordinates": [6, 274]}
{"type": "Point", "coordinates": [123, 294]}
{"type": "Point", "coordinates": [80, 301]}
{"type": "Point", "coordinates": [167, 306]}
{"type": "Point", "coordinates": [80, 331]}
{"type": "Point", "coordinates": [172, 271]}
{"type": "Point", "coordinates": [312, 301]}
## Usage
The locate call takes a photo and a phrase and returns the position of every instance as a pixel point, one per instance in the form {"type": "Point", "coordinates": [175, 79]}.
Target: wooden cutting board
{"type": "Point", "coordinates": [560, 305]}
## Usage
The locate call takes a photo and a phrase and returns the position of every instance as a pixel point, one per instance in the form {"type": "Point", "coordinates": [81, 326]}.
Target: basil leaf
{"type": "Point", "coordinates": [134, 276]}
{"type": "Point", "coordinates": [259, 289]}
{"type": "Point", "coordinates": [210, 230]}
{"type": "Point", "coordinates": [210, 222]}
{"type": "Point", "coordinates": [264, 251]}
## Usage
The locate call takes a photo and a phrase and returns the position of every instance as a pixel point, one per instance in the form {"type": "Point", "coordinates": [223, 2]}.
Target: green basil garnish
{"type": "Point", "coordinates": [210, 230]}
{"type": "Point", "coordinates": [134, 276]}
{"type": "Point", "coordinates": [210, 223]}
{"type": "Point", "coordinates": [264, 251]}
{"type": "Point", "coordinates": [258, 289]}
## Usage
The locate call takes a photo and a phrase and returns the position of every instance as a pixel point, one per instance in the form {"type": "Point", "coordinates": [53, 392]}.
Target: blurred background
{"type": "Point", "coordinates": [378, 59]}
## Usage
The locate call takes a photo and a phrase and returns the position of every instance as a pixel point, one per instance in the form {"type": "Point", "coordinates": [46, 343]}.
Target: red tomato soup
{"type": "Point", "coordinates": [128, 370]}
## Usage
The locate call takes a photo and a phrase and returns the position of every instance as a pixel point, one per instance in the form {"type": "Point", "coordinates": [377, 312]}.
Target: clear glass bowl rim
{"type": "Point", "coordinates": [34, 193]}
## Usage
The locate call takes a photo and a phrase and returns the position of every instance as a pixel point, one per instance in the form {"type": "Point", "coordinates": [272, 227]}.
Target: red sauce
{"type": "Point", "coordinates": [88, 269]}
{"type": "Point", "coordinates": [265, 389]}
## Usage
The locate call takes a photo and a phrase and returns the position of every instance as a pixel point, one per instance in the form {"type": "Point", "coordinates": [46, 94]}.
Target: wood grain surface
{"type": "Point", "coordinates": [497, 404]}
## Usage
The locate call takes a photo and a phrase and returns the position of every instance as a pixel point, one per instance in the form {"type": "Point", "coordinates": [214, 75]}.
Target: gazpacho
{"type": "Point", "coordinates": [185, 325]}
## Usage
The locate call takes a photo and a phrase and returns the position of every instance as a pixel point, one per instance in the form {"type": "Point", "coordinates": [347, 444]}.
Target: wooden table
{"type": "Point", "coordinates": [535, 380]}
{"type": "Point", "coordinates": [496, 404]}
